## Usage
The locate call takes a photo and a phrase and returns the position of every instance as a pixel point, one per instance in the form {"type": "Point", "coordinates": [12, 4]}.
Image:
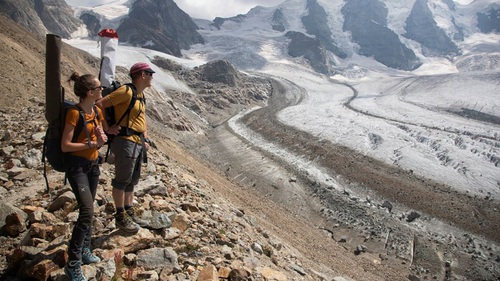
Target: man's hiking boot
{"type": "Point", "coordinates": [125, 223]}
{"type": "Point", "coordinates": [133, 214]}
{"type": "Point", "coordinates": [88, 257]}
{"type": "Point", "coordinates": [74, 271]}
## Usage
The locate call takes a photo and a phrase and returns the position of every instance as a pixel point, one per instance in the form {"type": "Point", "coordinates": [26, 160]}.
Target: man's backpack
{"type": "Point", "coordinates": [52, 152]}
{"type": "Point", "coordinates": [110, 111]}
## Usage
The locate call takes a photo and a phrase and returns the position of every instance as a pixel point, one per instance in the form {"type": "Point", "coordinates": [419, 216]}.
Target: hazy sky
{"type": "Point", "coordinates": [209, 9]}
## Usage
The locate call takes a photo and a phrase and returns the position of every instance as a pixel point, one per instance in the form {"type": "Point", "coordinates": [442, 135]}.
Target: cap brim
{"type": "Point", "coordinates": [149, 70]}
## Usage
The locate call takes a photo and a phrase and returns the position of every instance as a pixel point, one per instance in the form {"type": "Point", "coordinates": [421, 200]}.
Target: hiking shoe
{"type": "Point", "coordinates": [125, 223]}
{"type": "Point", "coordinates": [74, 271]}
{"type": "Point", "coordinates": [88, 257]}
{"type": "Point", "coordinates": [132, 213]}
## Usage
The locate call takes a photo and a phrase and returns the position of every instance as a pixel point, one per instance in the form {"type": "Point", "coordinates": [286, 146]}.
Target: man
{"type": "Point", "coordinates": [130, 143]}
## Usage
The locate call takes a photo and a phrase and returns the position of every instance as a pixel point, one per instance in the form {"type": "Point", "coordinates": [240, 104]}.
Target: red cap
{"type": "Point", "coordinates": [140, 66]}
{"type": "Point", "coordinates": [108, 32]}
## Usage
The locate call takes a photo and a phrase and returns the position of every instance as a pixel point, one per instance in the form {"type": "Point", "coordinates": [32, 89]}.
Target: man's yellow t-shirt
{"type": "Point", "coordinates": [136, 120]}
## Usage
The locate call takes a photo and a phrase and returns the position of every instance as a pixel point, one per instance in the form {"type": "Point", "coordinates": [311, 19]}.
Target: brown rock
{"type": "Point", "coordinates": [270, 274]}
{"type": "Point", "coordinates": [14, 224]}
{"type": "Point", "coordinates": [224, 272]}
{"type": "Point", "coordinates": [181, 222]}
{"type": "Point", "coordinates": [60, 202]}
{"type": "Point", "coordinates": [128, 244]}
{"type": "Point", "coordinates": [189, 207]}
{"type": "Point", "coordinates": [42, 216]}
{"type": "Point", "coordinates": [239, 275]}
{"type": "Point", "coordinates": [28, 209]}
{"type": "Point", "coordinates": [208, 273]}
{"type": "Point", "coordinates": [41, 271]}
{"type": "Point", "coordinates": [40, 230]}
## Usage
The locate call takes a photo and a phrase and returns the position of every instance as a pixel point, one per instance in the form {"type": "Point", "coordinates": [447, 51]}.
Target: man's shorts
{"type": "Point", "coordinates": [128, 160]}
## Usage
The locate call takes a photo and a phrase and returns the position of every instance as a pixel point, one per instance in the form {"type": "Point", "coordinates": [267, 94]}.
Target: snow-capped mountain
{"type": "Point", "coordinates": [328, 35]}
{"type": "Point", "coordinates": [325, 35]}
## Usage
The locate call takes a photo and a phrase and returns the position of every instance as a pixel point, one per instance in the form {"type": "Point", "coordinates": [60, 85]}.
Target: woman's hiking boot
{"type": "Point", "coordinates": [88, 257]}
{"type": "Point", "coordinates": [124, 222]}
{"type": "Point", "coordinates": [133, 214]}
{"type": "Point", "coordinates": [74, 271]}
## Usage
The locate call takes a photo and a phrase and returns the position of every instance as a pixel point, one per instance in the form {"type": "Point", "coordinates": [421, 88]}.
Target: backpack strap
{"type": "Point", "coordinates": [82, 124]}
{"type": "Point", "coordinates": [131, 104]}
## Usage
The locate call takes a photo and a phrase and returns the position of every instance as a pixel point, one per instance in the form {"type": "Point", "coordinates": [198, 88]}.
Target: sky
{"type": "Point", "coordinates": [210, 9]}
{"type": "Point", "coordinates": [202, 9]}
{"type": "Point", "coordinates": [401, 118]}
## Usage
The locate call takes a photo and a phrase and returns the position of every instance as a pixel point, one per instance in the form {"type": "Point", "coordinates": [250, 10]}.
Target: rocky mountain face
{"type": "Point", "coordinates": [218, 21]}
{"type": "Point", "coordinates": [489, 21]}
{"type": "Point", "coordinates": [157, 25]}
{"type": "Point", "coordinates": [309, 48]}
{"type": "Point", "coordinates": [367, 22]}
{"type": "Point", "coordinates": [42, 16]}
{"type": "Point", "coordinates": [220, 92]}
{"type": "Point", "coordinates": [279, 21]}
{"type": "Point", "coordinates": [160, 26]}
{"type": "Point", "coordinates": [92, 22]}
{"type": "Point", "coordinates": [316, 24]}
{"type": "Point", "coordinates": [427, 28]}
{"type": "Point", "coordinates": [421, 27]}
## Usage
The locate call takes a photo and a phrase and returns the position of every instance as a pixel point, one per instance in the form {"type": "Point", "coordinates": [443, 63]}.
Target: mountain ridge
{"type": "Point", "coordinates": [397, 35]}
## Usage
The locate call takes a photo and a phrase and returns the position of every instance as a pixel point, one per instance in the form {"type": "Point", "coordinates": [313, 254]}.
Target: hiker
{"type": "Point", "coordinates": [129, 144]}
{"type": "Point", "coordinates": [82, 167]}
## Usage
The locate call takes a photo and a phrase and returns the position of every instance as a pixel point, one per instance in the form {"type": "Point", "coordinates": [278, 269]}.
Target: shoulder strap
{"type": "Point", "coordinates": [131, 104]}
{"type": "Point", "coordinates": [80, 125]}
{"type": "Point", "coordinates": [96, 112]}
{"type": "Point", "coordinates": [96, 115]}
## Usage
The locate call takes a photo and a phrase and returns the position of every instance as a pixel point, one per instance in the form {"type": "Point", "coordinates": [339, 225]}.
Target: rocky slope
{"type": "Point", "coordinates": [170, 31]}
{"type": "Point", "coordinates": [41, 17]}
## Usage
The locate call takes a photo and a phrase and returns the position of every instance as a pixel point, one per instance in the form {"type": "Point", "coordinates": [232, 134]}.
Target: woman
{"type": "Point", "coordinates": [82, 169]}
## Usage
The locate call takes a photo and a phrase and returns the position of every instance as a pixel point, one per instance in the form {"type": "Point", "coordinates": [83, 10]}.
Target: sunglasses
{"type": "Point", "coordinates": [98, 87]}
{"type": "Point", "coordinates": [148, 73]}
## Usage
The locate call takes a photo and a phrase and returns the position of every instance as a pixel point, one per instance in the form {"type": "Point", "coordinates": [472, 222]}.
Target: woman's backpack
{"type": "Point", "coordinates": [51, 151]}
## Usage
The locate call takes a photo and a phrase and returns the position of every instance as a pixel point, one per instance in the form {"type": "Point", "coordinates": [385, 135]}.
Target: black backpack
{"type": "Point", "coordinates": [110, 111]}
{"type": "Point", "coordinates": [52, 152]}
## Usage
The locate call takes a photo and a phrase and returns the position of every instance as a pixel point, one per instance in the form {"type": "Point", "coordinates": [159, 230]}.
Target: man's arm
{"type": "Point", "coordinates": [103, 103]}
